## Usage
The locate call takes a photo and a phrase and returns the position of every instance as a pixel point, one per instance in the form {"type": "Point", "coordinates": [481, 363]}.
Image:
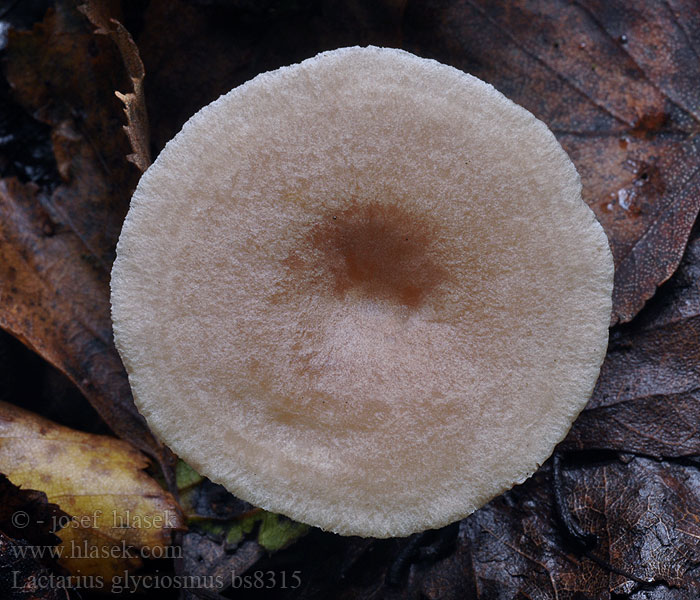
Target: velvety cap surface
{"type": "Point", "coordinates": [362, 291]}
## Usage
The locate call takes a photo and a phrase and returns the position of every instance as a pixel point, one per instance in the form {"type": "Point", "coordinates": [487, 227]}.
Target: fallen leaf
{"type": "Point", "coordinates": [28, 380]}
{"type": "Point", "coordinates": [211, 509]}
{"type": "Point", "coordinates": [277, 532]}
{"type": "Point", "coordinates": [643, 514]}
{"type": "Point", "coordinates": [26, 514]}
{"type": "Point", "coordinates": [617, 83]}
{"type": "Point", "coordinates": [119, 514]}
{"type": "Point", "coordinates": [185, 476]}
{"type": "Point", "coordinates": [136, 128]}
{"type": "Point", "coordinates": [57, 245]}
{"type": "Point", "coordinates": [647, 399]}
{"type": "Point", "coordinates": [23, 577]}
{"type": "Point", "coordinates": [28, 522]}
{"type": "Point", "coordinates": [215, 568]}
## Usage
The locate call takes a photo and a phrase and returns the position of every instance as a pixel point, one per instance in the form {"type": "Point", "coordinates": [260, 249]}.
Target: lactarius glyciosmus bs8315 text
{"type": "Point", "coordinates": [362, 291]}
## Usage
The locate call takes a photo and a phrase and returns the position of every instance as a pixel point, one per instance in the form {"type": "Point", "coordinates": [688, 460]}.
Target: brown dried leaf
{"type": "Point", "coordinates": [643, 514]}
{"type": "Point", "coordinates": [38, 520]}
{"type": "Point", "coordinates": [512, 548]}
{"type": "Point", "coordinates": [27, 520]}
{"type": "Point", "coordinates": [54, 298]}
{"type": "Point", "coordinates": [647, 399]}
{"type": "Point", "coordinates": [212, 564]}
{"type": "Point", "coordinates": [23, 577]}
{"type": "Point", "coordinates": [134, 102]}
{"type": "Point", "coordinates": [617, 82]}
{"type": "Point", "coordinates": [56, 248]}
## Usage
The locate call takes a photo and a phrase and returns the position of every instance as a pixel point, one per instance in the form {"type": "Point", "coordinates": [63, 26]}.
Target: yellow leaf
{"type": "Point", "coordinates": [119, 514]}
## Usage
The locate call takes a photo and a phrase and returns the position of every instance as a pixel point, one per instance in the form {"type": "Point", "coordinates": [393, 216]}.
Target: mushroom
{"type": "Point", "coordinates": [362, 291]}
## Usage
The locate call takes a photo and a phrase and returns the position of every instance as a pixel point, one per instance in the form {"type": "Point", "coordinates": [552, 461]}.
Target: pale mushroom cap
{"type": "Point", "coordinates": [362, 291]}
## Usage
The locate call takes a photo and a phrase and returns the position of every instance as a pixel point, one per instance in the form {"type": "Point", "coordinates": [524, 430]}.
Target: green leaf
{"type": "Point", "coordinates": [186, 476]}
{"type": "Point", "coordinates": [277, 532]}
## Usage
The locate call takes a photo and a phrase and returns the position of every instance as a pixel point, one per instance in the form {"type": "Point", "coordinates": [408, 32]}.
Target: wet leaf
{"type": "Point", "coordinates": [119, 514]}
{"type": "Point", "coordinates": [57, 244]}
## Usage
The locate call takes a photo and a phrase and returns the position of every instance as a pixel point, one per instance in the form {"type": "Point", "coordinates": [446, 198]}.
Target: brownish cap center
{"type": "Point", "coordinates": [383, 252]}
